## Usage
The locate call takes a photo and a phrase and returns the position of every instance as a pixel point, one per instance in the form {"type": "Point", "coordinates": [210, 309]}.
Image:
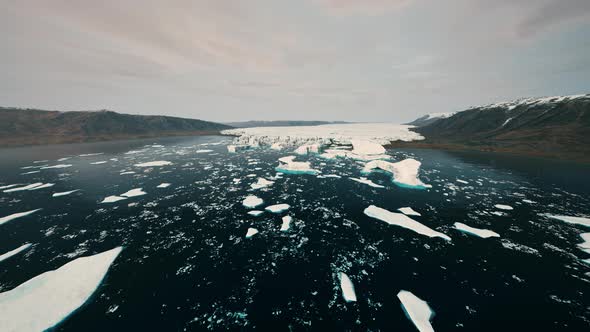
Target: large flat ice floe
{"type": "Point", "coordinates": [571, 220]}
{"type": "Point", "coordinates": [261, 183]}
{"type": "Point", "coordinates": [288, 165]}
{"type": "Point", "coordinates": [278, 208]}
{"type": "Point", "coordinates": [417, 310]}
{"type": "Point", "coordinates": [49, 298]}
{"type": "Point", "coordinates": [402, 220]}
{"type": "Point", "coordinates": [404, 173]}
{"type": "Point", "coordinates": [252, 201]}
{"type": "Point", "coordinates": [156, 163]}
{"type": "Point", "coordinates": [483, 233]}
{"type": "Point", "coordinates": [347, 288]}
{"type": "Point", "coordinates": [112, 199]}
{"type": "Point", "coordinates": [13, 216]}
{"type": "Point", "coordinates": [14, 251]}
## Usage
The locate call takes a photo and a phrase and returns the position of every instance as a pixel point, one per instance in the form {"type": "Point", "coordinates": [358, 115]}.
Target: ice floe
{"type": "Point", "coordinates": [503, 207]}
{"type": "Point", "coordinates": [64, 193]}
{"type": "Point", "coordinates": [49, 298]}
{"type": "Point", "coordinates": [572, 220]}
{"type": "Point", "coordinates": [261, 183]}
{"type": "Point", "coordinates": [251, 232]}
{"type": "Point", "coordinates": [9, 186]}
{"type": "Point", "coordinates": [252, 201]}
{"type": "Point", "coordinates": [278, 208]}
{"type": "Point", "coordinates": [409, 211]}
{"type": "Point", "coordinates": [483, 233]}
{"type": "Point", "coordinates": [112, 199]}
{"type": "Point", "coordinates": [13, 216]}
{"type": "Point", "coordinates": [134, 192]}
{"type": "Point", "coordinates": [404, 173]}
{"type": "Point", "coordinates": [203, 151]}
{"type": "Point", "coordinates": [163, 185]}
{"type": "Point", "coordinates": [417, 310]}
{"type": "Point", "coordinates": [14, 251]}
{"type": "Point", "coordinates": [286, 223]}
{"type": "Point", "coordinates": [57, 166]}
{"type": "Point", "coordinates": [347, 288]}
{"type": "Point", "coordinates": [154, 163]}
{"type": "Point", "coordinates": [366, 181]}
{"type": "Point", "coordinates": [585, 246]}
{"type": "Point", "coordinates": [99, 162]}
{"type": "Point", "coordinates": [27, 187]}
{"type": "Point", "coordinates": [399, 219]}
{"type": "Point", "coordinates": [287, 165]}
{"type": "Point", "coordinates": [43, 186]}
{"type": "Point", "coordinates": [255, 213]}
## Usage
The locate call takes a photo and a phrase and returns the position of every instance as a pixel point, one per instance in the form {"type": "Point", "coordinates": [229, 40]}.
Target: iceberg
{"type": "Point", "coordinates": [134, 192]}
{"type": "Point", "coordinates": [261, 183]}
{"type": "Point", "coordinates": [361, 147]}
{"type": "Point", "coordinates": [15, 251]}
{"type": "Point", "coordinates": [276, 146]}
{"type": "Point", "coordinates": [278, 208]}
{"type": "Point", "coordinates": [251, 232]}
{"type": "Point", "coordinates": [113, 199]}
{"type": "Point", "coordinates": [572, 220]}
{"type": "Point", "coordinates": [483, 233]}
{"type": "Point", "coordinates": [408, 211]}
{"type": "Point", "coordinates": [585, 246]}
{"type": "Point", "coordinates": [402, 220]}
{"type": "Point", "coordinates": [27, 187]}
{"type": "Point", "coordinates": [404, 173]}
{"type": "Point", "coordinates": [286, 223]}
{"type": "Point", "coordinates": [347, 288]}
{"type": "Point", "coordinates": [154, 163]}
{"type": "Point", "coordinates": [13, 216]}
{"type": "Point", "coordinates": [49, 298]}
{"type": "Point", "coordinates": [252, 201]}
{"type": "Point", "coordinates": [287, 165]}
{"type": "Point", "coordinates": [308, 148]}
{"type": "Point", "coordinates": [163, 185]}
{"type": "Point", "coordinates": [503, 207]}
{"type": "Point", "coordinates": [367, 182]}
{"type": "Point", "coordinates": [57, 166]}
{"type": "Point", "coordinates": [417, 310]}
{"type": "Point", "coordinates": [255, 213]}
{"type": "Point", "coordinates": [64, 193]}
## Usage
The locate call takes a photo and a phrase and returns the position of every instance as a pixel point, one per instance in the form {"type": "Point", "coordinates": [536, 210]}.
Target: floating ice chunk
{"type": "Point", "coordinates": [328, 176]}
{"type": "Point", "coordinates": [367, 182]}
{"type": "Point", "coordinates": [347, 288]}
{"type": "Point", "coordinates": [9, 186]}
{"type": "Point", "coordinates": [462, 181]}
{"type": "Point", "coordinates": [286, 223]}
{"type": "Point", "coordinates": [287, 165]}
{"type": "Point", "coordinates": [203, 151]}
{"type": "Point", "coordinates": [31, 172]}
{"type": "Point", "coordinates": [13, 216]}
{"type": "Point", "coordinates": [231, 148]}
{"type": "Point", "coordinates": [529, 201]}
{"type": "Point", "coordinates": [308, 148]}
{"type": "Point", "coordinates": [27, 187]}
{"type": "Point", "coordinates": [43, 186]}
{"type": "Point", "coordinates": [99, 162]}
{"type": "Point", "coordinates": [402, 220]}
{"type": "Point", "coordinates": [15, 251]}
{"type": "Point", "coordinates": [503, 207]}
{"type": "Point", "coordinates": [255, 213]}
{"type": "Point", "coordinates": [572, 220]}
{"type": "Point", "coordinates": [409, 211]}
{"type": "Point", "coordinates": [154, 163]}
{"type": "Point", "coordinates": [252, 201]}
{"type": "Point", "coordinates": [405, 172]}
{"type": "Point", "coordinates": [163, 185]}
{"type": "Point", "coordinates": [49, 298]}
{"type": "Point", "coordinates": [417, 310]}
{"type": "Point", "coordinates": [57, 166]}
{"type": "Point", "coordinates": [91, 154]}
{"type": "Point", "coordinates": [276, 146]}
{"type": "Point", "coordinates": [113, 199]}
{"type": "Point", "coordinates": [134, 192]}
{"type": "Point", "coordinates": [251, 232]}
{"type": "Point", "coordinates": [278, 208]}
{"type": "Point", "coordinates": [361, 147]}
{"type": "Point", "coordinates": [126, 173]}
{"type": "Point", "coordinates": [261, 183]}
{"type": "Point", "coordinates": [483, 233]}
{"type": "Point", "coordinates": [585, 246]}
{"type": "Point", "coordinates": [64, 193]}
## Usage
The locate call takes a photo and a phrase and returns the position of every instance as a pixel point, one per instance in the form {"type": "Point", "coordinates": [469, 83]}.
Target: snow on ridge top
{"type": "Point", "coordinates": [533, 100]}
{"type": "Point", "coordinates": [439, 115]}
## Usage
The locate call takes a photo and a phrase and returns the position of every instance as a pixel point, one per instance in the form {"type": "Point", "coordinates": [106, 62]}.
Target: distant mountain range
{"type": "Point", "coordinates": [280, 123]}
{"type": "Point", "coordinates": [549, 126]}
{"type": "Point", "coordinates": [31, 126]}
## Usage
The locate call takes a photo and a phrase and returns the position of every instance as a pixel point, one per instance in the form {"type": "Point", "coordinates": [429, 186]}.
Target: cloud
{"type": "Point", "coordinates": [551, 13]}
{"type": "Point", "coordinates": [367, 7]}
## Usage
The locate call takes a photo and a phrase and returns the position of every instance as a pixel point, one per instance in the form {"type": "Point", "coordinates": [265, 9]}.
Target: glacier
{"type": "Point", "coordinates": [417, 310]}
{"type": "Point", "coordinates": [402, 220]}
{"type": "Point", "coordinates": [404, 173]}
{"type": "Point", "coordinates": [49, 298]}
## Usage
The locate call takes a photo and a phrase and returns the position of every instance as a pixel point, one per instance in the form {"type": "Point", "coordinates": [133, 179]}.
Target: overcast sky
{"type": "Point", "coordinates": [355, 60]}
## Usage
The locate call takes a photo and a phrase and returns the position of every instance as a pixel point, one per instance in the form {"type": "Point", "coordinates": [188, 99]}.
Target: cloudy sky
{"type": "Point", "coordinates": [355, 60]}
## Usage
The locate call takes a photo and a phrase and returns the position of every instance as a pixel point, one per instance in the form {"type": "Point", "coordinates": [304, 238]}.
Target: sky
{"type": "Point", "coordinates": [347, 60]}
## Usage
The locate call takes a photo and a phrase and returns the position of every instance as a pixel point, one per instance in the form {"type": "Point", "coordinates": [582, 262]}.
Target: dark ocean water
{"type": "Point", "coordinates": [187, 266]}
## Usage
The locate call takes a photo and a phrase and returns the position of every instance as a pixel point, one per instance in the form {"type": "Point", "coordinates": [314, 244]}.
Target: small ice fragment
{"type": "Point", "coordinates": [347, 288]}
{"type": "Point", "coordinates": [261, 183]}
{"type": "Point", "coordinates": [255, 213]}
{"type": "Point", "coordinates": [367, 182]}
{"type": "Point", "coordinates": [402, 220]}
{"type": "Point", "coordinates": [572, 220]}
{"type": "Point", "coordinates": [529, 201]}
{"type": "Point", "coordinates": [99, 162]}
{"type": "Point", "coordinates": [57, 166]}
{"type": "Point", "coordinates": [16, 215]}
{"type": "Point", "coordinates": [251, 232]}
{"type": "Point", "coordinates": [128, 172]}
{"type": "Point", "coordinates": [503, 207]}
{"type": "Point", "coordinates": [64, 193]}
{"type": "Point", "coordinates": [27, 187]}
{"type": "Point", "coordinates": [408, 211]}
{"type": "Point", "coordinates": [112, 199]}
{"type": "Point", "coordinates": [154, 163]}
{"type": "Point", "coordinates": [163, 185]}
{"type": "Point", "coordinates": [203, 151]}
{"type": "Point", "coordinates": [278, 208]}
{"type": "Point", "coordinates": [483, 233]}
{"type": "Point", "coordinates": [134, 192]}
{"type": "Point", "coordinates": [14, 251]}
{"type": "Point", "coordinates": [252, 201]}
{"type": "Point", "coordinates": [417, 310]}
{"type": "Point", "coordinates": [286, 223]}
